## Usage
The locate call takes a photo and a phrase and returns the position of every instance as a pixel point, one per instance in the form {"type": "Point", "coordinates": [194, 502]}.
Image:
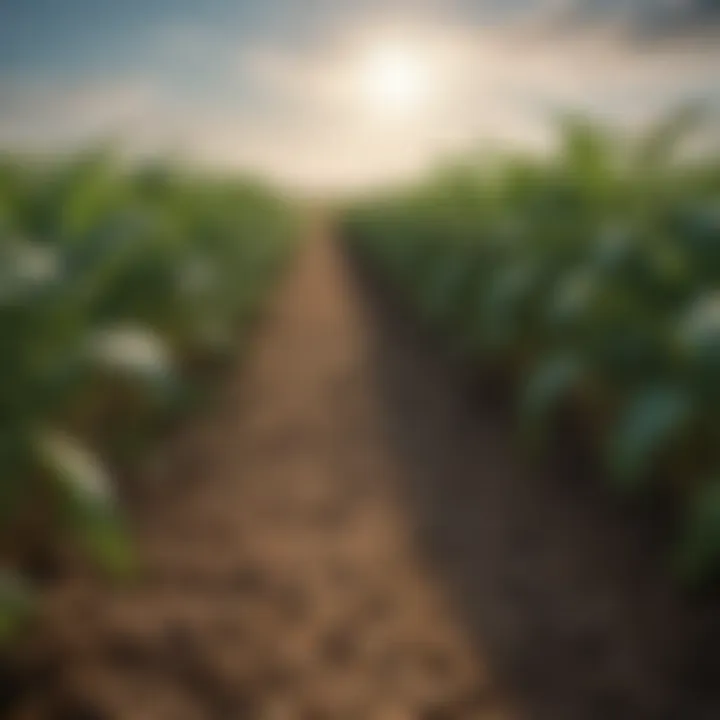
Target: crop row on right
{"type": "Point", "coordinates": [593, 274]}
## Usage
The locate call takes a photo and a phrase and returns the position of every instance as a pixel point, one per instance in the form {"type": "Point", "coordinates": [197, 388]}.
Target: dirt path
{"type": "Point", "coordinates": [281, 577]}
{"type": "Point", "coordinates": [345, 535]}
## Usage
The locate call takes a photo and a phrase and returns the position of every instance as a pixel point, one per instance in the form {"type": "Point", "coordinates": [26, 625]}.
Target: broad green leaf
{"type": "Point", "coordinates": [503, 305]}
{"type": "Point", "coordinates": [86, 496]}
{"type": "Point", "coordinates": [15, 605]}
{"type": "Point", "coordinates": [134, 353]}
{"type": "Point", "coordinates": [651, 419]}
{"type": "Point", "coordinates": [25, 268]}
{"type": "Point", "coordinates": [547, 386]}
{"type": "Point", "coordinates": [698, 552]}
{"type": "Point", "coordinates": [572, 299]}
{"type": "Point", "coordinates": [699, 330]}
{"type": "Point", "coordinates": [701, 325]}
{"type": "Point", "coordinates": [661, 143]}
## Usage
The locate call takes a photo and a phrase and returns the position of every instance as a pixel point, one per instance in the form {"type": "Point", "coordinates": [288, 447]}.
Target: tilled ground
{"type": "Point", "coordinates": [346, 535]}
{"type": "Point", "coordinates": [280, 577]}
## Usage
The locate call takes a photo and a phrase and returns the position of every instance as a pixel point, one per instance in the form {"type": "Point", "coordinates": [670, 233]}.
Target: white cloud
{"type": "Point", "coordinates": [300, 116]}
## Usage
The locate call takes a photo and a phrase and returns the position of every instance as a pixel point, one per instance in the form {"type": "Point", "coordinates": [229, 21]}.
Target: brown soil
{"type": "Point", "coordinates": [345, 534]}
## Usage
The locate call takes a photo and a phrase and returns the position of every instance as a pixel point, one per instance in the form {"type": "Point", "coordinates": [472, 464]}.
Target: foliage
{"type": "Point", "coordinates": [594, 271]}
{"type": "Point", "coordinates": [114, 282]}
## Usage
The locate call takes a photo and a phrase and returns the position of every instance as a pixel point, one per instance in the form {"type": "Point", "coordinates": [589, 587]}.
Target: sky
{"type": "Point", "coordinates": [341, 93]}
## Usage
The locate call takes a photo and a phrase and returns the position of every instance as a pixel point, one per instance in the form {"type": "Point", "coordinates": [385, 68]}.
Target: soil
{"type": "Point", "coordinates": [348, 533]}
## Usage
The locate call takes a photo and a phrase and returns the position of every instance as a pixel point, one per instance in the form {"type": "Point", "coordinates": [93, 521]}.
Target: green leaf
{"type": "Point", "coordinates": [504, 303]}
{"type": "Point", "coordinates": [698, 552]}
{"type": "Point", "coordinates": [572, 300]}
{"type": "Point", "coordinates": [133, 353]}
{"type": "Point", "coordinates": [651, 419]}
{"type": "Point", "coordinates": [77, 471]}
{"type": "Point", "coordinates": [87, 498]}
{"type": "Point", "coordinates": [15, 605]}
{"type": "Point", "coordinates": [699, 331]}
{"type": "Point", "coordinates": [546, 387]}
{"type": "Point", "coordinates": [662, 141]}
{"type": "Point", "coordinates": [26, 268]}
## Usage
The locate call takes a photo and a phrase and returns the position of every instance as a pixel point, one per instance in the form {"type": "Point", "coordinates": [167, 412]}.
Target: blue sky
{"type": "Point", "coordinates": [275, 85]}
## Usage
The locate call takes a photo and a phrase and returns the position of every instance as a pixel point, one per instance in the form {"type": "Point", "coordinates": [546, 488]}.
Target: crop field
{"type": "Point", "coordinates": [360, 360]}
{"type": "Point", "coordinates": [591, 275]}
{"type": "Point", "coordinates": [245, 471]}
{"type": "Point", "coordinates": [119, 291]}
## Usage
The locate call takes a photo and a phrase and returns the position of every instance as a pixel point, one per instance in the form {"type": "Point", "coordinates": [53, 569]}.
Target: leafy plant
{"type": "Point", "coordinates": [114, 282]}
{"type": "Point", "coordinates": [593, 272]}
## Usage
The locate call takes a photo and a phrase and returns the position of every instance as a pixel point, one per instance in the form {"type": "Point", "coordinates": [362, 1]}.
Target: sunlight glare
{"type": "Point", "coordinates": [396, 80]}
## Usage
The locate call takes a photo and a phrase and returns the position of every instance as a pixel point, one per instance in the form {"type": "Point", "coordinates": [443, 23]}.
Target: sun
{"type": "Point", "coordinates": [396, 79]}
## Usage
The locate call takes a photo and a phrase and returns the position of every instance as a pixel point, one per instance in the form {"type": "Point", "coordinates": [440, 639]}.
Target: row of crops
{"type": "Point", "coordinates": [593, 274]}
{"type": "Point", "coordinates": [119, 289]}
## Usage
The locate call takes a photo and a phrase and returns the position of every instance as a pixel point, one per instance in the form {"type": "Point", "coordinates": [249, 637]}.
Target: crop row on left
{"type": "Point", "coordinates": [117, 286]}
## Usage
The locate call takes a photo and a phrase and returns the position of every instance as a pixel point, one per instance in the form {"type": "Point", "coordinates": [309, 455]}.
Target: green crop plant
{"type": "Point", "coordinates": [114, 283]}
{"type": "Point", "coordinates": [593, 272]}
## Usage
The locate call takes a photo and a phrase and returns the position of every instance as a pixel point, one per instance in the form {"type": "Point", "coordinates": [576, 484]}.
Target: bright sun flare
{"type": "Point", "coordinates": [396, 80]}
